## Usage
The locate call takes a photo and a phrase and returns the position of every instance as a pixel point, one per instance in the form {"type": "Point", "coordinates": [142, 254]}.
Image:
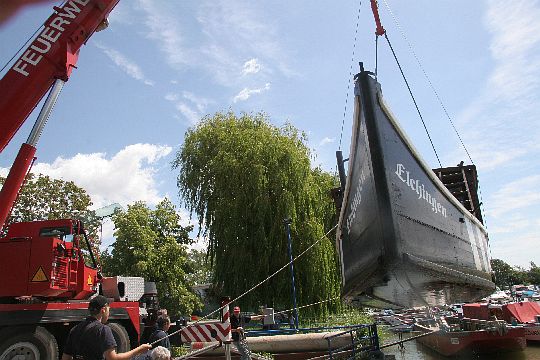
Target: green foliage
{"type": "Point", "coordinates": [45, 198]}
{"type": "Point", "coordinates": [346, 316]}
{"type": "Point", "coordinates": [177, 351]}
{"type": "Point", "coordinates": [152, 244]}
{"type": "Point", "coordinates": [534, 274]}
{"type": "Point", "coordinates": [506, 275]}
{"type": "Point", "coordinates": [242, 177]}
{"type": "Point", "coordinates": [200, 265]}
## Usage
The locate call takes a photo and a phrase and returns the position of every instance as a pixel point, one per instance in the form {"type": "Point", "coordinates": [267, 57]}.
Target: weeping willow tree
{"type": "Point", "coordinates": [242, 177]}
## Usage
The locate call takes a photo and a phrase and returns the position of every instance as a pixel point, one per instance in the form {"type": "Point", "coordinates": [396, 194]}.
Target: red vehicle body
{"type": "Point", "coordinates": [46, 282]}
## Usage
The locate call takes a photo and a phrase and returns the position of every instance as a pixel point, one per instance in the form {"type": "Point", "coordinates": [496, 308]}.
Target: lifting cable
{"type": "Point", "coordinates": [26, 43]}
{"type": "Point", "coordinates": [381, 31]}
{"type": "Point", "coordinates": [21, 48]}
{"type": "Point", "coordinates": [413, 98]}
{"type": "Point", "coordinates": [253, 288]}
{"type": "Point", "coordinates": [428, 79]}
{"type": "Point", "coordinates": [349, 78]}
{"type": "Point", "coordinates": [376, 55]}
{"type": "Point", "coordinates": [411, 49]}
{"type": "Point", "coordinates": [305, 306]}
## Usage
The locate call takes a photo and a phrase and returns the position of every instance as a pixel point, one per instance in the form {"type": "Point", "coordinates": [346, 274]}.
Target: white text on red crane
{"type": "Point", "coordinates": [53, 30]}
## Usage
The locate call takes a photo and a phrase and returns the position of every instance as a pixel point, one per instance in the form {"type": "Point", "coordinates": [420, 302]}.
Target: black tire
{"type": "Point", "coordinates": [32, 343]}
{"type": "Point", "coordinates": [121, 337]}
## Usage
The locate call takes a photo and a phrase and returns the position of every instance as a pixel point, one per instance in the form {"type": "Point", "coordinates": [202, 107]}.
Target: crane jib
{"type": "Point", "coordinates": [52, 32]}
{"type": "Point", "coordinates": [52, 55]}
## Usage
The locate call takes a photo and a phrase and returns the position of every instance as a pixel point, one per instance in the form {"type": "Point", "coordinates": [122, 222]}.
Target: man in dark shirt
{"type": "Point", "coordinates": [237, 329]}
{"type": "Point", "coordinates": [93, 340]}
{"type": "Point", "coordinates": [163, 324]}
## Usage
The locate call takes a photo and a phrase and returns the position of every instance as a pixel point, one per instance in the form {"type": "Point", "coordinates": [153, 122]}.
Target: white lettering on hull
{"type": "Point", "coordinates": [52, 32]}
{"type": "Point", "coordinates": [416, 186]}
{"type": "Point", "coordinates": [356, 200]}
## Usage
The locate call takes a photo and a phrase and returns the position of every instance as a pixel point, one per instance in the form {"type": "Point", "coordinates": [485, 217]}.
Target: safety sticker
{"type": "Point", "coordinates": [39, 276]}
{"type": "Point", "coordinates": [90, 282]}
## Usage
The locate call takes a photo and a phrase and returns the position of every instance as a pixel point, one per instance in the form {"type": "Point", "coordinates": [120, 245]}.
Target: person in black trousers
{"type": "Point", "coordinates": [237, 329]}
{"type": "Point", "coordinates": [93, 340]}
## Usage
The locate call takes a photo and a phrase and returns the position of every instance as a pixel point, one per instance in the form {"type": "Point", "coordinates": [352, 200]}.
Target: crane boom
{"type": "Point", "coordinates": [52, 55]}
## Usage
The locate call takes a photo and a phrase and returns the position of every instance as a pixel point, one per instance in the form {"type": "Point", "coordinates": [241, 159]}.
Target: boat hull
{"type": "Point", "coordinates": [403, 239]}
{"type": "Point", "coordinates": [475, 342]}
{"type": "Point", "coordinates": [523, 313]}
{"type": "Point", "coordinates": [532, 332]}
{"type": "Point", "coordinates": [291, 343]}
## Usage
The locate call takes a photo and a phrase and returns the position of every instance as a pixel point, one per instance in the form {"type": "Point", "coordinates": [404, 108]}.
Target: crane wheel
{"type": "Point", "coordinates": [28, 343]}
{"type": "Point", "coordinates": [121, 337]}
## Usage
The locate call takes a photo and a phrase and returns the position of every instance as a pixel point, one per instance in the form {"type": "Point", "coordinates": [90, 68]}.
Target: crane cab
{"type": "Point", "coordinates": [44, 259]}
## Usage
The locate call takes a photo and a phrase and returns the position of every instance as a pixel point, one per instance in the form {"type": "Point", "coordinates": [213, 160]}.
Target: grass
{"type": "Point", "coordinates": [347, 316]}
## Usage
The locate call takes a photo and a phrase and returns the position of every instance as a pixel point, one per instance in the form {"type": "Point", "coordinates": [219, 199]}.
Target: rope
{"type": "Point", "coordinates": [376, 55]}
{"type": "Point", "coordinates": [408, 339]}
{"type": "Point", "coordinates": [27, 41]}
{"type": "Point", "coordinates": [21, 48]}
{"type": "Point", "coordinates": [305, 306]}
{"type": "Point", "coordinates": [58, 3]}
{"type": "Point", "coordinates": [253, 288]}
{"type": "Point", "coordinates": [428, 80]}
{"type": "Point", "coordinates": [413, 99]}
{"type": "Point", "coordinates": [350, 74]}
{"type": "Point", "coordinates": [409, 44]}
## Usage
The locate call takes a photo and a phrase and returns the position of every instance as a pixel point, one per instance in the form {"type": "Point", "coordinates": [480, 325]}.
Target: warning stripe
{"type": "Point", "coordinates": [203, 332]}
{"type": "Point", "coordinates": [192, 334]}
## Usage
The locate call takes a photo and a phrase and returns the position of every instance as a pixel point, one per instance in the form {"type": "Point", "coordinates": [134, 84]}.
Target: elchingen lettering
{"type": "Point", "coordinates": [416, 186]}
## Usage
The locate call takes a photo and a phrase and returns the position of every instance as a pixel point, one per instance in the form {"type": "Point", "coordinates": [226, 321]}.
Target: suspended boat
{"type": "Point", "coordinates": [404, 238]}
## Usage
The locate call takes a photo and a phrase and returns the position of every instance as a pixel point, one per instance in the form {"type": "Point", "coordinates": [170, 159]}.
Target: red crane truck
{"type": "Point", "coordinates": [46, 283]}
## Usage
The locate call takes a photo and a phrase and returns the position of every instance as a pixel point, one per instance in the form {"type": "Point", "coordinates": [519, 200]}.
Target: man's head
{"type": "Point", "coordinates": [236, 310]}
{"type": "Point", "coordinates": [163, 322]}
{"type": "Point", "coordinates": [160, 353]}
{"type": "Point", "coordinates": [99, 308]}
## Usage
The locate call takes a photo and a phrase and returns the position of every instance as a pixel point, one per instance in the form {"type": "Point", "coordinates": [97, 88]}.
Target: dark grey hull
{"type": "Point", "coordinates": [404, 240]}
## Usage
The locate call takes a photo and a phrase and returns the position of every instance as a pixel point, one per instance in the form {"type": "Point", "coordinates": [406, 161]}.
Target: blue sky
{"type": "Point", "coordinates": [161, 66]}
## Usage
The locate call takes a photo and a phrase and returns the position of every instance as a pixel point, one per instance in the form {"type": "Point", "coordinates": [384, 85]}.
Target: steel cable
{"type": "Point", "coordinates": [253, 288]}
{"type": "Point", "coordinates": [350, 74]}
{"type": "Point", "coordinates": [411, 49]}
{"type": "Point", "coordinates": [413, 98]}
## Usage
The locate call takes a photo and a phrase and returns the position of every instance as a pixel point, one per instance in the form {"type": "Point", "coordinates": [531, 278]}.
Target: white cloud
{"type": "Point", "coordinates": [516, 195]}
{"type": "Point", "coordinates": [226, 34]}
{"type": "Point", "coordinates": [502, 122]}
{"type": "Point", "coordinates": [126, 65]}
{"type": "Point", "coordinates": [326, 140]}
{"type": "Point", "coordinates": [200, 103]}
{"type": "Point", "coordinates": [502, 126]}
{"type": "Point", "coordinates": [188, 112]}
{"type": "Point", "coordinates": [201, 243]}
{"type": "Point", "coordinates": [164, 29]}
{"type": "Point", "coordinates": [126, 177]}
{"type": "Point", "coordinates": [192, 107]}
{"type": "Point", "coordinates": [246, 93]}
{"type": "Point", "coordinates": [171, 97]}
{"type": "Point", "coordinates": [517, 249]}
{"type": "Point", "coordinates": [251, 67]}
